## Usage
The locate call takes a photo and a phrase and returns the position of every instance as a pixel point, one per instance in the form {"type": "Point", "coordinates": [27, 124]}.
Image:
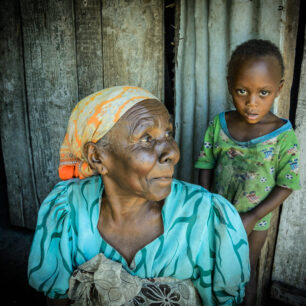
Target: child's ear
{"type": "Point", "coordinates": [280, 86]}
{"type": "Point", "coordinates": [95, 157]}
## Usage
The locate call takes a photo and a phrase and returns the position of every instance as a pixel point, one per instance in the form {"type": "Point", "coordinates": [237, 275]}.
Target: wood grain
{"type": "Point", "coordinates": [289, 264]}
{"type": "Point", "coordinates": [51, 82]}
{"type": "Point", "coordinates": [133, 44]}
{"type": "Point", "coordinates": [89, 46]}
{"type": "Point", "coordinates": [289, 33]}
{"type": "Point", "coordinates": [16, 144]}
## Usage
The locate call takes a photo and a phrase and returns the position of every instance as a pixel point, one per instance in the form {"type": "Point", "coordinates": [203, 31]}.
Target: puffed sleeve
{"type": "Point", "coordinates": [206, 158]}
{"type": "Point", "coordinates": [287, 174]}
{"type": "Point", "coordinates": [50, 260]}
{"type": "Point", "coordinates": [222, 278]}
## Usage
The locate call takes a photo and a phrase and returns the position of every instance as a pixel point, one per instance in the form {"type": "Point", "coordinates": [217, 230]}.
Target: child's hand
{"type": "Point", "coordinates": [249, 220]}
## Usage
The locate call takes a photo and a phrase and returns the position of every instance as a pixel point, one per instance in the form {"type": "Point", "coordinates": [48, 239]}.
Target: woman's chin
{"type": "Point", "coordinates": [160, 190]}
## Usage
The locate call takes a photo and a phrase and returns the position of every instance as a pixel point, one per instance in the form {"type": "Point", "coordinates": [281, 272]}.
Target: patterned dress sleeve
{"type": "Point", "coordinates": [50, 261]}
{"type": "Point", "coordinates": [206, 158]}
{"type": "Point", "coordinates": [222, 279]}
{"type": "Point", "coordinates": [287, 174]}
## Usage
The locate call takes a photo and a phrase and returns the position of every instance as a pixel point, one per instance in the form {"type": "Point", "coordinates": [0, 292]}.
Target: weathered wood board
{"type": "Point", "coordinates": [88, 46]}
{"type": "Point", "coordinates": [53, 56]}
{"type": "Point", "coordinates": [15, 139]}
{"type": "Point", "coordinates": [133, 48]}
{"type": "Point", "coordinates": [290, 255]}
{"type": "Point", "coordinates": [288, 295]}
{"type": "Point", "coordinates": [51, 82]}
{"type": "Point", "coordinates": [289, 26]}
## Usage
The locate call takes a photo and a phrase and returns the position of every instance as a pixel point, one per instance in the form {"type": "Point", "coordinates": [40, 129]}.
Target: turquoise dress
{"type": "Point", "coordinates": [203, 240]}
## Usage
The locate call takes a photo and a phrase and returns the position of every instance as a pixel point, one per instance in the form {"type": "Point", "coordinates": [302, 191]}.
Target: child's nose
{"type": "Point", "coordinates": [252, 100]}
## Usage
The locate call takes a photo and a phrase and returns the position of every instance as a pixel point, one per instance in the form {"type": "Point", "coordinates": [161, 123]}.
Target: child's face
{"type": "Point", "coordinates": [254, 85]}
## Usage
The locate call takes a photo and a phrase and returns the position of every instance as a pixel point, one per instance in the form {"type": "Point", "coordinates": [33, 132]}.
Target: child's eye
{"type": "Point", "coordinates": [241, 92]}
{"type": "Point", "coordinates": [264, 93]}
{"type": "Point", "coordinates": [146, 138]}
{"type": "Point", "coordinates": [169, 134]}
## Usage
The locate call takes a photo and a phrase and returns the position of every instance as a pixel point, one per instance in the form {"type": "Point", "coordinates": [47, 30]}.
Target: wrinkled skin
{"type": "Point", "coordinates": [141, 157]}
{"type": "Point", "coordinates": [137, 168]}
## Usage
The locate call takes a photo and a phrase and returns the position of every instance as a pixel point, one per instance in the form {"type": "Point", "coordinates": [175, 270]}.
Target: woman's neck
{"type": "Point", "coordinates": [121, 207]}
{"type": "Point", "coordinates": [129, 223]}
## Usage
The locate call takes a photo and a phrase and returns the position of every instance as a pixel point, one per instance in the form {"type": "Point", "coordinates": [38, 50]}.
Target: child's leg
{"type": "Point", "coordinates": [256, 242]}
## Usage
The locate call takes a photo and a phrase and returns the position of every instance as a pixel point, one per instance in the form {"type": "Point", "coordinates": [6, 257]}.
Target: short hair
{"type": "Point", "coordinates": [255, 48]}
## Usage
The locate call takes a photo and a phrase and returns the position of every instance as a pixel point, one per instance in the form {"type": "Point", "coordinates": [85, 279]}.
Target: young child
{"type": "Point", "coordinates": [249, 155]}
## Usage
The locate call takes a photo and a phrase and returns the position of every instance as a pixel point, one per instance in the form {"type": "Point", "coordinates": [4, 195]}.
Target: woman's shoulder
{"type": "Point", "coordinates": [196, 194]}
{"type": "Point", "coordinates": [206, 206]}
{"type": "Point", "coordinates": [70, 195]}
{"type": "Point", "coordinates": [69, 208]}
{"type": "Point", "coordinates": [190, 190]}
{"type": "Point", "coordinates": [70, 188]}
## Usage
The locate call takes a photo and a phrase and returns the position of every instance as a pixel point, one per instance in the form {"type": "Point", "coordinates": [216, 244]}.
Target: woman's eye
{"type": "Point", "coordinates": [146, 138]}
{"type": "Point", "coordinates": [264, 93]}
{"type": "Point", "coordinates": [241, 92]}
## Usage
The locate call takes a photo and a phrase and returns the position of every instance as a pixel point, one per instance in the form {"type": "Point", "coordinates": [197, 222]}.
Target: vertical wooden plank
{"type": "Point", "coordinates": [16, 146]}
{"type": "Point", "coordinates": [133, 44]}
{"type": "Point", "coordinates": [290, 26]}
{"type": "Point", "coordinates": [289, 264]}
{"type": "Point", "coordinates": [288, 39]}
{"type": "Point", "coordinates": [89, 46]}
{"type": "Point", "coordinates": [50, 70]}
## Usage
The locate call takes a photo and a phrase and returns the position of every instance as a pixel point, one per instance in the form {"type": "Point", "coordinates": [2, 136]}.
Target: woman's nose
{"type": "Point", "coordinates": [169, 152]}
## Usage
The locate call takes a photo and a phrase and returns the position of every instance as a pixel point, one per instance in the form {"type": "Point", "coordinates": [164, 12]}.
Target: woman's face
{"type": "Point", "coordinates": [142, 152]}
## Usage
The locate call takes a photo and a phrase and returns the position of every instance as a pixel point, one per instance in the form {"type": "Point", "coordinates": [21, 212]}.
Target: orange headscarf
{"type": "Point", "coordinates": [90, 120]}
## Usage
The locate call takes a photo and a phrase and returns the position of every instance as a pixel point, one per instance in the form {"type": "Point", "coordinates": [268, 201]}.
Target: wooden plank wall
{"type": "Point", "coordinates": [265, 266]}
{"type": "Point", "coordinates": [15, 138]}
{"type": "Point", "coordinates": [54, 53]}
{"type": "Point", "coordinates": [289, 268]}
{"type": "Point", "coordinates": [128, 38]}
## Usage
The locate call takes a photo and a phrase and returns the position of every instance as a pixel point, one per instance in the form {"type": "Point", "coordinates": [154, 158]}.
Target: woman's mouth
{"type": "Point", "coordinates": [163, 180]}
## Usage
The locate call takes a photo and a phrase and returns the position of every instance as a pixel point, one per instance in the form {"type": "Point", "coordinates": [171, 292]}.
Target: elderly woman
{"type": "Point", "coordinates": [119, 230]}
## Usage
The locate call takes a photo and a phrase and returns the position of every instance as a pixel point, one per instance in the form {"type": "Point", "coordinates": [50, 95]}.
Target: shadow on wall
{"type": "Point", "coordinates": [15, 245]}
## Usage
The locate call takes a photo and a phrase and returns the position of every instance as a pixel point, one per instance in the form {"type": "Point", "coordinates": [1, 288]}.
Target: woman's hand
{"type": "Point", "coordinates": [249, 220]}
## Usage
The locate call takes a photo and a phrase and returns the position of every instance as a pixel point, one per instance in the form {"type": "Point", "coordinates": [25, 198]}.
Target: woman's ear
{"type": "Point", "coordinates": [95, 156]}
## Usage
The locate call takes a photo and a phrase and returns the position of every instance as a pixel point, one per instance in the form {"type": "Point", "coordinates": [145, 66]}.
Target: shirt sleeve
{"type": "Point", "coordinates": [288, 162]}
{"type": "Point", "coordinates": [50, 260]}
{"type": "Point", "coordinates": [206, 158]}
{"type": "Point", "coordinates": [223, 279]}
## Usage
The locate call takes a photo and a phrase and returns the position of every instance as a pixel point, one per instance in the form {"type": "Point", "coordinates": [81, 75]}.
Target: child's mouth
{"type": "Point", "coordinates": [252, 116]}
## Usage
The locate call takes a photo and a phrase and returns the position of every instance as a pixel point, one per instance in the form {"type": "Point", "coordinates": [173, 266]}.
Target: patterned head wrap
{"type": "Point", "coordinates": [90, 120]}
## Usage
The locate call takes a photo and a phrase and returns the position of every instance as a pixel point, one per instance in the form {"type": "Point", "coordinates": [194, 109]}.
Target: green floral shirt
{"type": "Point", "coordinates": [246, 172]}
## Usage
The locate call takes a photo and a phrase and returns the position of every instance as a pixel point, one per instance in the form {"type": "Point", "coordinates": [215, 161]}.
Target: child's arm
{"type": "Point", "coordinates": [277, 196]}
{"type": "Point", "coordinates": [206, 160]}
{"type": "Point", "coordinates": [205, 177]}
